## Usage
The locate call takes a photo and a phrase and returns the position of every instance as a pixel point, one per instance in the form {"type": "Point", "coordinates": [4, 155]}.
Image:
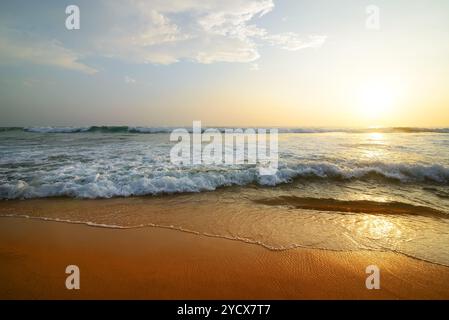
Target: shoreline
{"type": "Point", "coordinates": [206, 235]}
{"type": "Point", "coordinates": [161, 263]}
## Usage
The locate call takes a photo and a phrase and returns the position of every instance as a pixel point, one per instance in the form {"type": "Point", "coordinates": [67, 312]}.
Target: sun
{"type": "Point", "coordinates": [376, 99]}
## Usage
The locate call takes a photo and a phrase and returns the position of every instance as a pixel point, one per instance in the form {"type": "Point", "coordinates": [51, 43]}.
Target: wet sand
{"type": "Point", "coordinates": [156, 263]}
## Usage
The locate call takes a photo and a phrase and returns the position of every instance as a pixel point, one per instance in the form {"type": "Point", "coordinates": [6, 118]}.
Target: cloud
{"type": "Point", "coordinates": [164, 32]}
{"type": "Point", "coordinates": [129, 80]}
{"type": "Point", "coordinates": [254, 67]}
{"type": "Point", "coordinates": [32, 82]}
{"type": "Point", "coordinates": [161, 32]}
{"type": "Point", "coordinates": [291, 41]}
{"type": "Point", "coordinates": [16, 47]}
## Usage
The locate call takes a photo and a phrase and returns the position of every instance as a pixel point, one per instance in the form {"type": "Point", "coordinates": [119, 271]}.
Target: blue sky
{"type": "Point", "coordinates": [236, 62]}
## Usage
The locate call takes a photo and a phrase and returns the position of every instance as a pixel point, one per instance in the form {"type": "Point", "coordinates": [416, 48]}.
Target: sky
{"type": "Point", "coordinates": [302, 63]}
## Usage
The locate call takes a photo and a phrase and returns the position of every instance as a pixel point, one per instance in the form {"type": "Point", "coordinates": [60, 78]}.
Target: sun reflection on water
{"type": "Point", "coordinates": [376, 136]}
{"type": "Point", "coordinates": [377, 227]}
{"type": "Point", "coordinates": [375, 140]}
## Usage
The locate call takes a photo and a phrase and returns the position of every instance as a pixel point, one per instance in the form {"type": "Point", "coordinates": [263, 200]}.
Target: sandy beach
{"type": "Point", "coordinates": [157, 263]}
{"type": "Point", "coordinates": [224, 150]}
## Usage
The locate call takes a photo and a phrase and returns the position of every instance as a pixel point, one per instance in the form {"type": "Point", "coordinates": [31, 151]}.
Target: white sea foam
{"type": "Point", "coordinates": [56, 129]}
{"type": "Point", "coordinates": [88, 184]}
{"type": "Point", "coordinates": [150, 129]}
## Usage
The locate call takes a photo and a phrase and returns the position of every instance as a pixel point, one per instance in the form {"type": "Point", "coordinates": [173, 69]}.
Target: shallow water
{"type": "Point", "coordinates": [338, 190]}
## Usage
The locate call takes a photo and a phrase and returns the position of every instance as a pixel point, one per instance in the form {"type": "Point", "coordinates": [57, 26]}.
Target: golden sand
{"type": "Point", "coordinates": [155, 263]}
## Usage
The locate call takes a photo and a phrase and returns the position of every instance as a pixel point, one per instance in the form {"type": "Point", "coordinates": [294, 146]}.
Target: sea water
{"type": "Point", "coordinates": [339, 189]}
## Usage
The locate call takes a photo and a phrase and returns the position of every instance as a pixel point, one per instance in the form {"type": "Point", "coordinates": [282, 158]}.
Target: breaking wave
{"type": "Point", "coordinates": [190, 180]}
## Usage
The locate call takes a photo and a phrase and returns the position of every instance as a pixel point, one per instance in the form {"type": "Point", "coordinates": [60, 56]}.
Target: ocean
{"type": "Point", "coordinates": [381, 189]}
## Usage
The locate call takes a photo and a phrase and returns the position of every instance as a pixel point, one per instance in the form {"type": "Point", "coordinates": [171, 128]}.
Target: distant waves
{"type": "Point", "coordinates": [149, 130]}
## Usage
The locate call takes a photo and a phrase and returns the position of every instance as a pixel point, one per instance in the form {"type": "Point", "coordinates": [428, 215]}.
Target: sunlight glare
{"type": "Point", "coordinates": [376, 99]}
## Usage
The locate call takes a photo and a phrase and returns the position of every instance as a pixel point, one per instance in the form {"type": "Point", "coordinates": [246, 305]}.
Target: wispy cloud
{"type": "Point", "coordinates": [254, 67]}
{"type": "Point", "coordinates": [129, 80]}
{"type": "Point", "coordinates": [291, 41]}
{"type": "Point", "coordinates": [32, 82]}
{"type": "Point", "coordinates": [16, 47]}
{"type": "Point", "coordinates": [161, 32]}
{"type": "Point", "coordinates": [165, 32]}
